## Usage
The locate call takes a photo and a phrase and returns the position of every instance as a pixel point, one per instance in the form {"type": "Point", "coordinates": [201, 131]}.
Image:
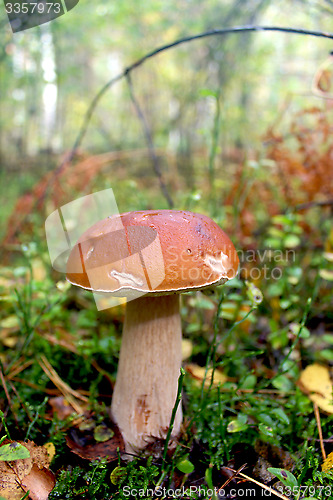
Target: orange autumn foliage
{"type": "Point", "coordinates": [300, 169]}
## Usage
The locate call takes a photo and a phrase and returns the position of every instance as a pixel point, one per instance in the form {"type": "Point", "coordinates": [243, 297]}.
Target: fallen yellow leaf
{"type": "Point", "coordinates": [187, 348]}
{"type": "Point", "coordinates": [198, 373]}
{"type": "Point", "coordinates": [50, 448]}
{"type": "Point", "coordinates": [38, 270]}
{"type": "Point", "coordinates": [328, 463]}
{"type": "Point", "coordinates": [315, 382]}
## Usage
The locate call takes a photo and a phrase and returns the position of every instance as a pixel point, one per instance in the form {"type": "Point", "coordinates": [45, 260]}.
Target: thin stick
{"type": "Point", "coordinates": [216, 32]}
{"type": "Point", "coordinates": [18, 367]}
{"type": "Point", "coordinates": [268, 488]}
{"type": "Point", "coordinates": [163, 48]}
{"type": "Point", "coordinates": [149, 140]}
{"type": "Point", "coordinates": [13, 388]}
{"type": "Point", "coordinates": [3, 381]}
{"type": "Point", "coordinates": [320, 432]}
{"type": "Point", "coordinates": [70, 394]}
{"type": "Point", "coordinates": [228, 481]}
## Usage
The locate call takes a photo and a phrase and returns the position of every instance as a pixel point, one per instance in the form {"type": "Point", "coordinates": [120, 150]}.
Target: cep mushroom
{"type": "Point", "coordinates": [150, 257]}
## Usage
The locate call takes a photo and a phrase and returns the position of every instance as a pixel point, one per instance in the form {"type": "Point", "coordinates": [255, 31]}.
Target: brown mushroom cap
{"type": "Point", "coordinates": [154, 251]}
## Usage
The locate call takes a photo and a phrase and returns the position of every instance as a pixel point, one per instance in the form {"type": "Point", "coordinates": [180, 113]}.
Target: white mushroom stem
{"type": "Point", "coordinates": [149, 367]}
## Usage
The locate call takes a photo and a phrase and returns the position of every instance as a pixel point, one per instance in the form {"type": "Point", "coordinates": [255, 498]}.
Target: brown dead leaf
{"type": "Point", "coordinates": [15, 475]}
{"type": "Point", "coordinates": [328, 463]}
{"type": "Point", "coordinates": [95, 450]}
{"type": "Point", "coordinates": [73, 397]}
{"type": "Point", "coordinates": [40, 483]}
{"type": "Point", "coordinates": [315, 382]}
{"type": "Point", "coordinates": [61, 407]}
{"type": "Point", "coordinates": [9, 490]}
{"type": "Point", "coordinates": [11, 475]}
{"type": "Point", "coordinates": [38, 454]}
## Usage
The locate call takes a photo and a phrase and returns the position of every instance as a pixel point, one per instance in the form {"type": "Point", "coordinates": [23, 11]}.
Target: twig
{"type": "Point", "coordinates": [70, 394]}
{"type": "Point", "coordinates": [18, 367]}
{"type": "Point", "coordinates": [268, 488]}
{"type": "Point", "coordinates": [149, 140]}
{"type": "Point", "coordinates": [310, 204]}
{"type": "Point", "coordinates": [214, 145]}
{"type": "Point", "coordinates": [180, 41]}
{"type": "Point", "coordinates": [229, 479]}
{"type": "Point", "coordinates": [320, 432]}
{"type": "Point", "coordinates": [159, 50]}
{"type": "Point", "coordinates": [50, 392]}
{"type": "Point", "coordinates": [3, 381]}
{"type": "Point", "coordinates": [24, 406]}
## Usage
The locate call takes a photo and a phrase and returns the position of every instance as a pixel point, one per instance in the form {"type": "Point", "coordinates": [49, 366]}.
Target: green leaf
{"type": "Point", "coordinates": [326, 274]}
{"type": "Point", "coordinates": [291, 241]}
{"type": "Point", "coordinates": [228, 310]}
{"type": "Point", "coordinates": [280, 414]}
{"type": "Point", "coordinates": [286, 477]}
{"type": "Point", "coordinates": [265, 419]}
{"type": "Point", "coordinates": [326, 354]}
{"type": "Point", "coordinates": [296, 327]}
{"type": "Point", "coordinates": [13, 451]}
{"type": "Point", "coordinates": [249, 382]}
{"type": "Point", "coordinates": [276, 232]}
{"type": "Point", "coordinates": [209, 477]}
{"type": "Point", "coordinates": [284, 220]}
{"type": "Point", "coordinates": [185, 466]}
{"type": "Point", "coordinates": [283, 383]}
{"type": "Point", "coordinates": [328, 337]}
{"type": "Point", "coordinates": [266, 430]}
{"type": "Point", "coordinates": [273, 243]}
{"type": "Point", "coordinates": [254, 294]}
{"type": "Point", "coordinates": [239, 424]}
{"type": "Point", "coordinates": [208, 93]}
{"type": "Point", "coordinates": [117, 474]}
{"type": "Point", "coordinates": [102, 433]}
{"type": "Point", "coordinates": [285, 303]}
{"type": "Point", "coordinates": [328, 256]}
{"type": "Point", "coordinates": [202, 303]}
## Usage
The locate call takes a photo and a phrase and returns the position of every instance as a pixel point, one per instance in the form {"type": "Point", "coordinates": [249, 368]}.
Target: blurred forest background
{"type": "Point", "coordinates": [216, 109]}
{"type": "Point", "coordinates": [238, 127]}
